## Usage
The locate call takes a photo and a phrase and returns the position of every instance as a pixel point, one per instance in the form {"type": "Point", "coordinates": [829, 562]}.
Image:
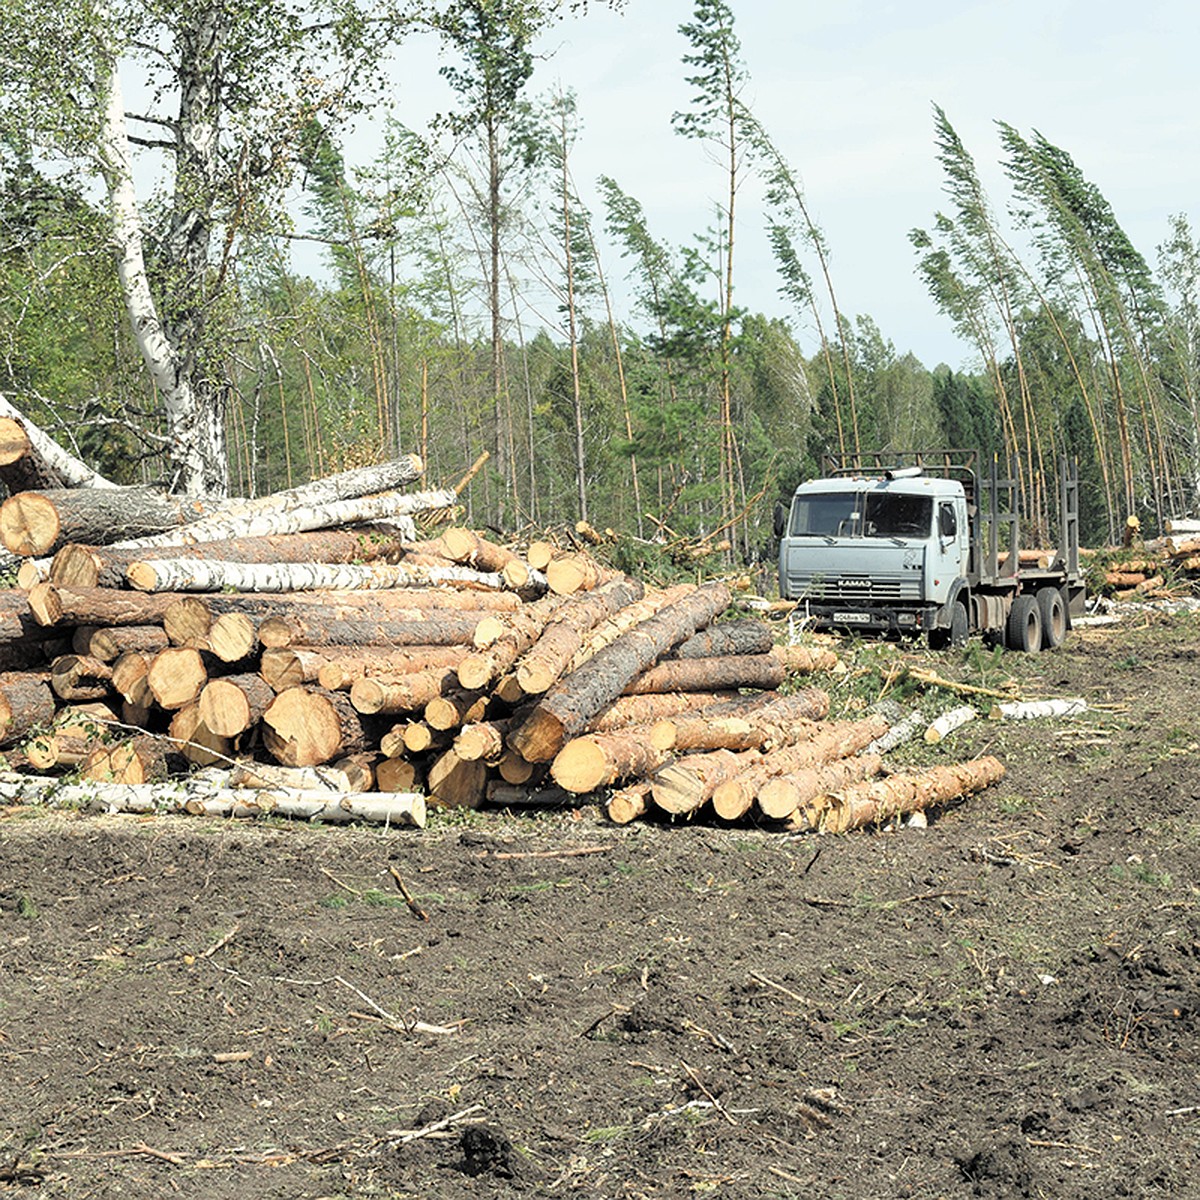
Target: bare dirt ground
{"type": "Point", "coordinates": [1005, 1004]}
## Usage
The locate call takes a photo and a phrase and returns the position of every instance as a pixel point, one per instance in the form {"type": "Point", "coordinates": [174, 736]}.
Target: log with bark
{"type": "Point", "coordinates": [734, 638]}
{"type": "Point", "coordinates": [80, 677]}
{"type": "Point", "coordinates": [406, 693]}
{"type": "Point", "coordinates": [508, 637]}
{"type": "Point", "coordinates": [948, 722]}
{"type": "Point", "coordinates": [824, 743]}
{"type": "Point", "coordinates": [454, 782]}
{"type": "Point", "coordinates": [76, 730]}
{"type": "Point", "coordinates": [76, 565]}
{"type": "Point", "coordinates": [723, 673]}
{"type": "Point", "coordinates": [598, 760]}
{"type": "Point", "coordinates": [628, 803]}
{"type": "Point", "coordinates": [70, 469]}
{"type": "Point", "coordinates": [781, 796]}
{"type": "Point", "coordinates": [645, 710]}
{"type": "Point", "coordinates": [567, 707]}
{"type": "Point", "coordinates": [543, 663]}
{"type": "Point", "coordinates": [137, 759]}
{"type": "Point", "coordinates": [683, 787]}
{"type": "Point", "coordinates": [447, 629]}
{"type": "Point", "coordinates": [110, 643]}
{"type": "Point", "coordinates": [25, 703]}
{"type": "Point", "coordinates": [466, 546]}
{"type": "Point", "coordinates": [34, 524]}
{"type": "Point", "coordinates": [339, 667]}
{"type": "Point", "coordinates": [571, 573]}
{"type": "Point", "coordinates": [872, 803]}
{"type": "Point", "coordinates": [22, 467]}
{"type": "Point", "coordinates": [806, 660]}
{"type": "Point", "coordinates": [195, 741]}
{"type": "Point", "coordinates": [232, 704]}
{"type": "Point", "coordinates": [304, 727]}
{"type": "Point", "coordinates": [762, 721]}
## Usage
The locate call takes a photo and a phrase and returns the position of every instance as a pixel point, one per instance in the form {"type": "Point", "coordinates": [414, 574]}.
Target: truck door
{"type": "Point", "coordinates": [950, 545]}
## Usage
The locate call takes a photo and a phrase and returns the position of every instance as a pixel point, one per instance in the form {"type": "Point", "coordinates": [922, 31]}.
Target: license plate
{"type": "Point", "coordinates": [852, 618]}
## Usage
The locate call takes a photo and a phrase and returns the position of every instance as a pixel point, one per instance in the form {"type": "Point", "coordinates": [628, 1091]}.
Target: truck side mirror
{"type": "Point", "coordinates": [780, 518]}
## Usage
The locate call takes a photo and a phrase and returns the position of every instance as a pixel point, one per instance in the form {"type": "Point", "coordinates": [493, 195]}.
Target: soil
{"type": "Point", "coordinates": [1003, 1004]}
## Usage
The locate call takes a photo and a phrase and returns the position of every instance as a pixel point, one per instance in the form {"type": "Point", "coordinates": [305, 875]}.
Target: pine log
{"type": "Point", "coordinates": [597, 760]}
{"type": "Point", "coordinates": [455, 783]}
{"type": "Point", "coordinates": [645, 710]}
{"type": "Point", "coordinates": [359, 770]}
{"type": "Point", "coordinates": [806, 660]}
{"type": "Point", "coordinates": [22, 468]}
{"type": "Point", "coordinates": [34, 524]}
{"type": "Point", "coordinates": [561, 640]}
{"type": "Point", "coordinates": [75, 732]}
{"type": "Point", "coordinates": [566, 708]}
{"type": "Point", "coordinates": [396, 775]}
{"type": "Point", "coordinates": [283, 667]}
{"type": "Point", "coordinates": [682, 787]}
{"type": "Point", "coordinates": [571, 573]}
{"type": "Point", "coordinates": [624, 619]}
{"type": "Point", "coordinates": [825, 743]}
{"type": "Point", "coordinates": [212, 575]}
{"type": "Point", "coordinates": [304, 727]}
{"type": "Point", "coordinates": [342, 666]}
{"type": "Point", "coordinates": [76, 564]}
{"type": "Point", "coordinates": [25, 703]}
{"type": "Point", "coordinates": [515, 770]}
{"type": "Point", "coordinates": [709, 674]}
{"type": "Point", "coordinates": [139, 759]}
{"type": "Point", "coordinates": [80, 677]}
{"type": "Point", "coordinates": [447, 629]}
{"type": "Point", "coordinates": [872, 803]}
{"type": "Point", "coordinates": [782, 795]}
{"type": "Point", "coordinates": [749, 722]}
{"type": "Point", "coordinates": [176, 676]}
{"type": "Point", "coordinates": [233, 637]}
{"type": "Point", "coordinates": [482, 740]}
{"type": "Point", "coordinates": [52, 605]}
{"type": "Point", "coordinates": [540, 555]}
{"type": "Point", "coordinates": [455, 709]}
{"type": "Point", "coordinates": [233, 703]}
{"type": "Point", "coordinates": [1180, 547]}
{"type": "Point", "coordinates": [734, 638]}
{"type": "Point", "coordinates": [406, 693]}
{"type": "Point", "coordinates": [466, 546]}
{"type": "Point", "coordinates": [192, 738]}
{"type": "Point", "coordinates": [109, 644]}
{"type": "Point", "coordinates": [129, 678]}
{"type": "Point", "coordinates": [629, 803]}
{"type": "Point", "coordinates": [410, 737]}
{"type": "Point", "coordinates": [515, 634]}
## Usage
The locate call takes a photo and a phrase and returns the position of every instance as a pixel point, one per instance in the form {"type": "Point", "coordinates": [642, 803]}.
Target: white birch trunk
{"type": "Point", "coordinates": [199, 797]}
{"type": "Point", "coordinates": [385, 507]}
{"type": "Point", "coordinates": [198, 447]}
{"type": "Point", "coordinates": [903, 731]}
{"type": "Point", "coordinates": [347, 485]}
{"type": "Point", "coordinates": [73, 472]}
{"type": "Point", "coordinates": [948, 722]}
{"type": "Point", "coordinates": [1027, 710]}
{"type": "Point", "coordinates": [206, 575]}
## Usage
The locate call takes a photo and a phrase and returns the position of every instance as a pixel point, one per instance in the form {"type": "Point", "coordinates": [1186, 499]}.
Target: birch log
{"type": "Point", "coordinates": [210, 575]}
{"type": "Point", "coordinates": [948, 722]}
{"type": "Point", "coordinates": [1031, 709]}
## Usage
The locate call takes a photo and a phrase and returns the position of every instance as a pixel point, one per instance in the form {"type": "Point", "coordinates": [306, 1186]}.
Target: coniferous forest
{"type": "Point", "coordinates": [469, 301]}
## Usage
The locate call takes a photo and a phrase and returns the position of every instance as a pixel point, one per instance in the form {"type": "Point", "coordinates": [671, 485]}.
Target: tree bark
{"type": "Point", "coordinates": [520, 631]}
{"type": "Point", "coordinates": [34, 524]}
{"type": "Point", "coordinates": [751, 722]}
{"type": "Point", "coordinates": [304, 727]}
{"type": "Point", "coordinates": [448, 629]}
{"type": "Point", "coordinates": [456, 783]}
{"type": "Point", "coordinates": [22, 468]}
{"type": "Point", "coordinates": [872, 803]}
{"type": "Point", "coordinates": [401, 693]}
{"type": "Point", "coordinates": [599, 759]}
{"type": "Point", "coordinates": [645, 710]}
{"type": "Point", "coordinates": [826, 743]}
{"type": "Point", "coordinates": [732, 638]}
{"type": "Point", "coordinates": [682, 787]}
{"type": "Point", "coordinates": [344, 666]}
{"type": "Point", "coordinates": [232, 704]}
{"type": "Point", "coordinates": [783, 795]}
{"type": "Point", "coordinates": [25, 703]}
{"type": "Point", "coordinates": [562, 639]}
{"type": "Point", "coordinates": [52, 605]}
{"type": "Point", "coordinates": [70, 470]}
{"type": "Point", "coordinates": [567, 707]}
{"type": "Point", "coordinates": [763, 671]}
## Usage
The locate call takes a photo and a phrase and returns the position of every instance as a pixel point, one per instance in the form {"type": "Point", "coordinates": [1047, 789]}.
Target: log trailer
{"type": "Point", "coordinates": [912, 543]}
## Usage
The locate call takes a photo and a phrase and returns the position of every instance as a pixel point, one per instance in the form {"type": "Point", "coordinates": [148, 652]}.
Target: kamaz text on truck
{"type": "Point", "coordinates": [918, 543]}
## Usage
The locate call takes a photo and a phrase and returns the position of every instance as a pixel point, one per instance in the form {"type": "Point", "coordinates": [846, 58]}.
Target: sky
{"type": "Point", "coordinates": [846, 90]}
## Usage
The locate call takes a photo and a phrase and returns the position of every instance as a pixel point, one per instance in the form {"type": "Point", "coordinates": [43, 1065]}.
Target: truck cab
{"type": "Point", "coordinates": [887, 554]}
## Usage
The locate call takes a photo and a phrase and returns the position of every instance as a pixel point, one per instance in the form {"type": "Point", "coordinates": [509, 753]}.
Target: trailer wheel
{"type": "Point", "coordinates": [1024, 629]}
{"type": "Point", "coordinates": [1053, 610]}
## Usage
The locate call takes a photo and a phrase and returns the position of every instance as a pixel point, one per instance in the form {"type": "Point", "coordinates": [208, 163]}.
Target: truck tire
{"type": "Point", "coordinates": [956, 634]}
{"type": "Point", "coordinates": [1053, 609]}
{"type": "Point", "coordinates": [1024, 629]}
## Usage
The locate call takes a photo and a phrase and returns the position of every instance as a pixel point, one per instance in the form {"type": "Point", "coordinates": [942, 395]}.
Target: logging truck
{"type": "Point", "coordinates": [927, 543]}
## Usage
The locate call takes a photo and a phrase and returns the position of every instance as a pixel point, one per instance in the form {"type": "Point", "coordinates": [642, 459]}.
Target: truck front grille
{"type": "Point", "coordinates": [856, 588]}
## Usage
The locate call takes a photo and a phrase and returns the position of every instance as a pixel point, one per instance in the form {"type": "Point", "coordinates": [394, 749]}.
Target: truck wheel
{"type": "Point", "coordinates": [1024, 629]}
{"type": "Point", "coordinates": [1053, 609]}
{"type": "Point", "coordinates": [957, 633]}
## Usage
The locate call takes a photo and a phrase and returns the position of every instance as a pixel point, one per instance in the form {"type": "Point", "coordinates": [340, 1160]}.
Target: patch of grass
{"type": "Point", "coordinates": [26, 908]}
{"type": "Point", "coordinates": [381, 899]}
{"type": "Point", "coordinates": [605, 1134]}
{"type": "Point", "coordinates": [1141, 872]}
{"type": "Point", "coordinates": [334, 900]}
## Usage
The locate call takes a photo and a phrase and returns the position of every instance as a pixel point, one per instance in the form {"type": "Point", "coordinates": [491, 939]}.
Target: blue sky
{"type": "Point", "coordinates": [846, 89]}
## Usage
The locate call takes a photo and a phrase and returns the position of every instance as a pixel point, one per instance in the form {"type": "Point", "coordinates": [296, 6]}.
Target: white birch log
{"type": "Point", "coordinates": [208, 575]}
{"type": "Point", "coordinates": [903, 731]}
{"type": "Point", "coordinates": [202, 798]}
{"type": "Point", "coordinates": [393, 506]}
{"type": "Point", "coordinates": [948, 722]}
{"type": "Point", "coordinates": [1028, 710]}
{"type": "Point", "coordinates": [73, 472]}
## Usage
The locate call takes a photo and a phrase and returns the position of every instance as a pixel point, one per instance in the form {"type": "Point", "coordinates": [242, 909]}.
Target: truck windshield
{"type": "Point", "coordinates": [870, 514]}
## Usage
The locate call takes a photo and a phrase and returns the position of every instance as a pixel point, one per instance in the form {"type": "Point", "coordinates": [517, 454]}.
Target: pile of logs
{"type": "Point", "coordinates": [1160, 568]}
{"type": "Point", "coordinates": [313, 628]}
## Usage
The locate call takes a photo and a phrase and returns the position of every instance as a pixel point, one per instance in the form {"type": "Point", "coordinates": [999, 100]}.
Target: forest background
{"type": "Point", "coordinates": [472, 294]}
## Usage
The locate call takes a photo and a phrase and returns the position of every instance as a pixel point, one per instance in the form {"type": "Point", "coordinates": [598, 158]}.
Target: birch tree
{"type": "Point", "coordinates": [224, 88]}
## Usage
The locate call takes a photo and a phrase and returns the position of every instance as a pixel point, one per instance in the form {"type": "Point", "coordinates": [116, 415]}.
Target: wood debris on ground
{"type": "Point", "coordinates": [309, 652]}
